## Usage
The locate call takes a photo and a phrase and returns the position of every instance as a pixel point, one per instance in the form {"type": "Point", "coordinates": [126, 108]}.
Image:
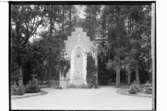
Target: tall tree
{"type": "Point", "coordinates": [139, 31]}
{"type": "Point", "coordinates": [128, 31]}
{"type": "Point", "coordinates": [116, 36]}
{"type": "Point", "coordinates": [25, 20]}
{"type": "Point", "coordinates": [91, 21]}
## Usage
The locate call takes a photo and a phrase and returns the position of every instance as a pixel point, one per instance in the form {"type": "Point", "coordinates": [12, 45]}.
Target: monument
{"type": "Point", "coordinates": [77, 48]}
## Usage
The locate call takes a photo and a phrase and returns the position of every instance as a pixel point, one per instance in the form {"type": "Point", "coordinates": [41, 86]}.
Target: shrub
{"type": "Point", "coordinates": [148, 88]}
{"type": "Point", "coordinates": [134, 88]}
{"type": "Point", "coordinates": [91, 71]}
{"type": "Point", "coordinates": [110, 82]}
{"type": "Point", "coordinates": [13, 88]}
{"type": "Point", "coordinates": [17, 89]}
{"type": "Point", "coordinates": [92, 82]}
{"type": "Point", "coordinates": [55, 84]}
{"type": "Point", "coordinates": [32, 86]}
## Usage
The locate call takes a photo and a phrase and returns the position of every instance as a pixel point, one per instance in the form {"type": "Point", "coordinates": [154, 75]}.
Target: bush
{"type": "Point", "coordinates": [134, 88]}
{"type": "Point", "coordinates": [110, 82]}
{"type": "Point", "coordinates": [13, 88]}
{"type": "Point", "coordinates": [148, 88]}
{"type": "Point", "coordinates": [92, 82]}
{"type": "Point", "coordinates": [17, 89]}
{"type": "Point", "coordinates": [20, 90]}
{"type": "Point", "coordinates": [91, 72]}
{"type": "Point", "coordinates": [32, 86]}
{"type": "Point", "coordinates": [55, 84]}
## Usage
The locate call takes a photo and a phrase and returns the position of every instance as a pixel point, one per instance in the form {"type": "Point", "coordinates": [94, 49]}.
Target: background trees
{"type": "Point", "coordinates": [25, 21]}
{"type": "Point", "coordinates": [122, 33]}
{"type": "Point", "coordinates": [125, 40]}
{"type": "Point", "coordinates": [92, 13]}
{"type": "Point", "coordinates": [37, 34]}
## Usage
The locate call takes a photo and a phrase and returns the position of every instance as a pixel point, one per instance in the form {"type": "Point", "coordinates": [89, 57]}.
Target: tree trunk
{"type": "Point", "coordinates": [45, 77]}
{"type": "Point", "coordinates": [20, 76]}
{"type": "Point", "coordinates": [70, 19]}
{"type": "Point", "coordinates": [129, 78]}
{"type": "Point", "coordinates": [49, 68]}
{"type": "Point", "coordinates": [63, 21]}
{"type": "Point", "coordinates": [59, 78]}
{"type": "Point", "coordinates": [51, 26]}
{"type": "Point", "coordinates": [137, 75]}
{"type": "Point", "coordinates": [118, 77]}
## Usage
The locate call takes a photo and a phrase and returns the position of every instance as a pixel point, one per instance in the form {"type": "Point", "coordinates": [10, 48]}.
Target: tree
{"type": "Point", "coordinates": [25, 20]}
{"type": "Point", "coordinates": [91, 20]}
{"type": "Point", "coordinates": [116, 36]}
{"type": "Point", "coordinates": [139, 31]}
{"type": "Point", "coordinates": [58, 15]}
{"type": "Point", "coordinates": [127, 28]}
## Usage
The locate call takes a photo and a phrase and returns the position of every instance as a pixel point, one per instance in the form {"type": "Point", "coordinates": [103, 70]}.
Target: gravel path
{"type": "Point", "coordinates": [103, 98]}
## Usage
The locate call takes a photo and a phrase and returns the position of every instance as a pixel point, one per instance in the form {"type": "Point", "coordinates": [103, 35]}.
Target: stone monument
{"type": "Point", "coordinates": [77, 47]}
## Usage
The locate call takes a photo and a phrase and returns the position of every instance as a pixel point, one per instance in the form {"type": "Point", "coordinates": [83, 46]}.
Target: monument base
{"type": "Point", "coordinates": [77, 86]}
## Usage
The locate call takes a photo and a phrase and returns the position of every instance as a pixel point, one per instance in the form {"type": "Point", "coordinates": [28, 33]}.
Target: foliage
{"type": "Point", "coordinates": [17, 89]}
{"type": "Point", "coordinates": [148, 88]}
{"type": "Point", "coordinates": [122, 32]}
{"type": "Point", "coordinates": [127, 29]}
{"type": "Point", "coordinates": [65, 65]}
{"type": "Point", "coordinates": [91, 72]}
{"type": "Point", "coordinates": [92, 11]}
{"type": "Point", "coordinates": [52, 24]}
{"type": "Point", "coordinates": [134, 88]}
{"type": "Point", "coordinates": [32, 86]}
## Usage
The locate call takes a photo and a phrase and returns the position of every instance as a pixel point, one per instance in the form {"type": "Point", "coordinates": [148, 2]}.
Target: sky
{"type": "Point", "coordinates": [80, 11]}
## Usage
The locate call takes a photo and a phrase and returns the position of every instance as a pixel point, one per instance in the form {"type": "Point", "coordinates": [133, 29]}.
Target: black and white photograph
{"type": "Point", "coordinates": [82, 55]}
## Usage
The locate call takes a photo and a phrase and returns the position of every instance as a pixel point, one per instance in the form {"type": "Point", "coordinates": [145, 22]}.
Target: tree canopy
{"type": "Point", "coordinates": [122, 32]}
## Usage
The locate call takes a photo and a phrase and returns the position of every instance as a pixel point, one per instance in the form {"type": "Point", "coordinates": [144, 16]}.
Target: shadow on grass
{"type": "Point", "coordinates": [26, 95]}
{"type": "Point", "coordinates": [124, 91]}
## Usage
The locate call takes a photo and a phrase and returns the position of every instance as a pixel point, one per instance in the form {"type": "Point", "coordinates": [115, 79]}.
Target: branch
{"type": "Point", "coordinates": [27, 29]}
{"type": "Point", "coordinates": [35, 28]}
